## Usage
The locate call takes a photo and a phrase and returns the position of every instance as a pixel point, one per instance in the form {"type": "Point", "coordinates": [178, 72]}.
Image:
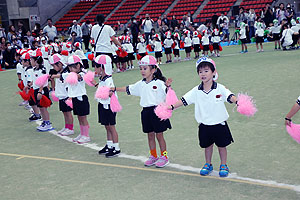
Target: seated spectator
{"type": "Point", "coordinates": [8, 57]}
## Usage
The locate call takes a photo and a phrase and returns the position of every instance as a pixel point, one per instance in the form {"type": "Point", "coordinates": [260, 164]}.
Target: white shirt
{"type": "Point", "coordinates": [36, 73]}
{"type": "Point", "coordinates": [168, 42]}
{"type": "Point", "coordinates": [205, 40]}
{"type": "Point", "coordinates": [28, 75]}
{"type": "Point", "coordinates": [114, 49]}
{"type": "Point", "coordinates": [141, 47]}
{"type": "Point", "coordinates": [103, 44]}
{"type": "Point", "coordinates": [51, 31]}
{"type": "Point", "coordinates": [147, 25]}
{"type": "Point", "coordinates": [61, 87]}
{"type": "Point", "coordinates": [195, 40]}
{"type": "Point", "coordinates": [20, 70]}
{"type": "Point", "coordinates": [77, 90]}
{"type": "Point", "coordinates": [243, 33]}
{"type": "Point", "coordinates": [106, 81]}
{"type": "Point", "coordinates": [295, 29]}
{"type": "Point", "coordinates": [275, 29]}
{"type": "Point", "coordinates": [80, 54]}
{"type": "Point", "coordinates": [216, 39]}
{"type": "Point", "coordinates": [187, 42]}
{"type": "Point", "coordinates": [209, 107]}
{"type": "Point", "coordinates": [259, 29]}
{"type": "Point", "coordinates": [201, 28]}
{"type": "Point", "coordinates": [287, 34]}
{"type": "Point", "coordinates": [128, 47]}
{"type": "Point", "coordinates": [177, 43]}
{"type": "Point", "coordinates": [152, 93]}
{"type": "Point", "coordinates": [157, 46]}
{"type": "Point", "coordinates": [77, 30]}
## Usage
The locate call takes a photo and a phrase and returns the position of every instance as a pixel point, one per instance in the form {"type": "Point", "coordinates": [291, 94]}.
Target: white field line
{"type": "Point", "coordinates": [270, 183]}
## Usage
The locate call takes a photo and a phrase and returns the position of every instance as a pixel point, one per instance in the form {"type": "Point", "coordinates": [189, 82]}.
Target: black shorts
{"type": "Point", "coordinates": [151, 123]}
{"type": "Point", "coordinates": [131, 56]}
{"type": "Point", "coordinates": [259, 39]}
{"type": "Point", "coordinates": [218, 134]}
{"type": "Point", "coordinates": [276, 36]}
{"type": "Point", "coordinates": [116, 59]}
{"type": "Point", "coordinates": [85, 63]}
{"type": "Point", "coordinates": [168, 50]}
{"type": "Point", "coordinates": [205, 47]}
{"type": "Point", "coordinates": [176, 52]}
{"type": "Point", "coordinates": [187, 49]}
{"type": "Point", "coordinates": [63, 107]}
{"type": "Point", "coordinates": [106, 116]}
{"type": "Point", "coordinates": [158, 54]}
{"type": "Point", "coordinates": [45, 92]}
{"type": "Point", "coordinates": [142, 54]}
{"type": "Point", "coordinates": [81, 108]}
{"type": "Point", "coordinates": [216, 46]}
{"type": "Point", "coordinates": [196, 47]}
{"type": "Point", "coordinates": [243, 41]}
{"type": "Point", "coordinates": [123, 60]}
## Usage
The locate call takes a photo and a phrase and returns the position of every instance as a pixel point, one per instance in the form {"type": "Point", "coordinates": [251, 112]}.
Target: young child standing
{"type": "Point", "coordinates": [275, 31]}
{"type": "Point", "coordinates": [77, 92]}
{"type": "Point", "coordinates": [62, 94]}
{"type": "Point", "coordinates": [168, 46]}
{"type": "Point", "coordinates": [210, 113]}
{"type": "Point", "coordinates": [259, 34]}
{"type": "Point", "coordinates": [196, 44]}
{"type": "Point", "coordinates": [152, 90]}
{"type": "Point", "coordinates": [216, 41]}
{"type": "Point", "coordinates": [141, 46]}
{"type": "Point", "coordinates": [157, 48]}
{"type": "Point", "coordinates": [106, 117]}
{"type": "Point", "coordinates": [79, 52]}
{"type": "Point", "coordinates": [20, 74]}
{"type": "Point", "coordinates": [205, 43]}
{"type": "Point", "coordinates": [187, 44]}
{"type": "Point", "coordinates": [243, 37]}
{"type": "Point", "coordinates": [176, 47]}
{"type": "Point", "coordinates": [129, 49]}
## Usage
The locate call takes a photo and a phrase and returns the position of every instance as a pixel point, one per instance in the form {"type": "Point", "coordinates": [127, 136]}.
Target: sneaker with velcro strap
{"type": "Point", "coordinates": [206, 169]}
{"type": "Point", "coordinates": [34, 117]}
{"type": "Point", "coordinates": [112, 153]}
{"type": "Point", "coordinates": [45, 127]}
{"type": "Point", "coordinates": [224, 171]}
{"type": "Point", "coordinates": [104, 150]}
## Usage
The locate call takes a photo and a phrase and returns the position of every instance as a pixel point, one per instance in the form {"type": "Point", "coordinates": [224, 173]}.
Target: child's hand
{"type": "Point", "coordinates": [168, 82]}
{"type": "Point", "coordinates": [39, 96]}
{"type": "Point", "coordinates": [287, 122]}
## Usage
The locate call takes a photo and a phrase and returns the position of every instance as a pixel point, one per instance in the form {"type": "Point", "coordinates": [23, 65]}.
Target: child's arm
{"type": "Point", "coordinates": [293, 111]}
{"type": "Point", "coordinates": [233, 99]}
{"type": "Point", "coordinates": [178, 104]}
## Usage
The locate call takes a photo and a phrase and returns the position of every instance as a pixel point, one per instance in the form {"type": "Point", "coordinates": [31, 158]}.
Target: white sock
{"type": "Point", "coordinates": [109, 144]}
{"type": "Point", "coordinates": [116, 145]}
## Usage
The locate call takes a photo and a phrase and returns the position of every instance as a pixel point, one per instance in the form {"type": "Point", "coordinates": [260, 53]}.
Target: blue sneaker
{"type": "Point", "coordinates": [206, 169]}
{"type": "Point", "coordinates": [246, 51]}
{"type": "Point", "coordinates": [242, 52]}
{"type": "Point", "coordinates": [224, 171]}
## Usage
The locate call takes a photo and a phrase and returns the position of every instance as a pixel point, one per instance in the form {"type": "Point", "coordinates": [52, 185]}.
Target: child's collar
{"type": "Point", "coordinates": [213, 86]}
{"type": "Point", "coordinates": [103, 78]}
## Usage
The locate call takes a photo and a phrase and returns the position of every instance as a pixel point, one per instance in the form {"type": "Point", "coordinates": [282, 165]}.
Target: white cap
{"type": "Point", "coordinates": [106, 61]}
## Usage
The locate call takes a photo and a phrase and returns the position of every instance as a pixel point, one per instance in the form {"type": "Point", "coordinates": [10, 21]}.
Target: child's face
{"type": "Point", "coordinates": [57, 66]}
{"type": "Point", "coordinates": [75, 68]}
{"type": "Point", "coordinates": [25, 63]}
{"type": "Point", "coordinates": [32, 62]}
{"type": "Point", "coordinates": [206, 74]}
{"type": "Point", "coordinates": [147, 72]}
{"type": "Point", "coordinates": [99, 70]}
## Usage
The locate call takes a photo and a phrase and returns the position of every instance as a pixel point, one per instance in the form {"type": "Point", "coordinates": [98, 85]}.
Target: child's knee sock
{"type": "Point", "coordinates": [69, 126]}
{"type": "Point", "coordinates": [116, 145]}
{"type": "Point", "coordinates": [86, 130]}
{"type": "Point", "coordinates": [153, 153]}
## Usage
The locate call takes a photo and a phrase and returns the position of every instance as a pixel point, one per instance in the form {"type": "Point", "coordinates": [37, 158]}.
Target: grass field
{"type": "Point", "coordinates": [263, 161]}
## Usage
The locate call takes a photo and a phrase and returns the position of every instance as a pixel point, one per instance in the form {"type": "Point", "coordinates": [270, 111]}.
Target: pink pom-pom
{"type": "Point", "coordinates": [53, 97]}
{"type": "Point", "coordinates": [114, 104]}
{"type": "Point", "coordinates": [42, 80]}
{"type": "Point", "coordinates": [294, 131]}
{"type": "Point", "coordinates": [246, 105]}
{"type": "Point", "coordinates": [69, 102]}
{"type": "Point", "coordinates": [102, 92]}
{"type": "Point", "coordinates": [171, 97]}
{"type": "Point", "coordinates": [89, 77]}
{"type": "Point", "coordinates": [72, 78]}
{"type": "Point", "coordinates": [162, 111]}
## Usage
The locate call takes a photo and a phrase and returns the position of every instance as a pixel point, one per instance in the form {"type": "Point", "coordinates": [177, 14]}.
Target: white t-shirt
{"type": "Point", "coordinates": [106, 81]}
{"type": "Point", "coordinates": [51, 31]}
{"type": "Point", "coordinates": [195, 40]}
{"type": "Point", "coordinates": [77, 90]}
{"type": "Point", "coordinates": [28, 75]}
{"type": "Point", "coordinates": [275, 29]}
{"type": "Point", "coordinates": [287, 34]}
{"type": "Point", "coordinates": [141, 47]}
{"type": "Point", "coordinates": [168, 42]}
{"type": "Point", "coordinates": [209, 107]}
{"type": "Point", "coordinates": [147, 25]}
{"type": "Point", "coordinates": [20, 70]}
{"type": "Point", "coordinates": [205, 40]}
{"type": "Point", "coordinates": [36, 73]}
{"type": "Point", "coordinates": [259, 29]}
{"type": "Point", "coordinates": [215, 39]}
{"type": "Point", "coordinates": [157, 46]}
{"type": "Point", "coordinates": [187, 42]}
{"type": "Point", "coordinates": [177, 43]}
{"type": "Point", "coordinates": [128, 47]}
{"type": "Point", "coordinates": [152, 93]}
{"type": "Point", "coordinates": [243, 33]}
{"type": "Point", "coordinates": [61, 87]}
{"type": "Point", "coordinates": [103, 44]}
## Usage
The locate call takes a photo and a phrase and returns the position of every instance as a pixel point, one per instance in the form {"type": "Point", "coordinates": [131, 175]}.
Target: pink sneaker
{"type": "Point", "coordinates": [162, 162]}
{"type": "Point", "coordinates": [151, 161]}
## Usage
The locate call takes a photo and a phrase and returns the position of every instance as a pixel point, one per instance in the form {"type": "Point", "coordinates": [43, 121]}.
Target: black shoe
{"type": "Point", "coordinates": [104, 150]}
{"type": "Point", "coordinates": [112, 153]}
{"type": "Point", "coordinates": [34, 118]}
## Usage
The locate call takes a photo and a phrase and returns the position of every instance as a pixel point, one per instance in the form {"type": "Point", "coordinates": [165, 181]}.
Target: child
{"type": "Point", "coordinates": [157, 48]}
{"type": "Point", "coordinates": [77, 92]}
{"type": "Point", "coordinates": [168, 46]}
{"type": "Point", "coordinates": [205, 43]}
{"type": "Point", "coordinates": [105, 116]}
{"type": "Point", "coordinates": [79, 52]}
{"type": "Point", "coordinates": [286, 39]}
{"type": "Point", "coordinates": [187, 44]}
{"type": "Point", "coordinates": [20, 73]}
{"type": "Point", "coordinates": [196, 44]}
{"type": "Point", "coordinates": [141, 46]}
{"type": "Point", "coordinates": [293, 111]}
{"type": "Point", "coordinates": [176, 47]}
{"type": "Point", "coordinates": [152, 90]}
{"type": "Point", "coordinates": [275, 30]}
{"type": "Point", "coordinates": [62, 94]}
{"type": "Point", "coordinates": [243, 37]}
{"type": "Point", "coordinates": [36, 61]}
{"type": "Point", "coordinates": [216, 41]}
{"type": "Point", "coordinates": [129, 49]}
{"type": "Point", "coordinates": [259, 34]}
{"type": "Point", "coordinates": [116, 59]}
{"type": "Point", "coordinates": [295, 36]}
{"type": "Point", "coordinates": [123, 60]}
{"type": "Point", "coordinates": [210, 113]}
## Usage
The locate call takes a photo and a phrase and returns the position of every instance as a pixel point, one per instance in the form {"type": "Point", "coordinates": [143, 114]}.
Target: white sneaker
{"type": "Point", "coordinates": [61, 131]}
{"type": "Point", "coordinates": [84, 139]}
{"type": "Point", "coordinates": [132, 67]}
{"type": "Point", "coordinates": [118, 70]}
{"type": "Point", "coordinates": [77, 138]}
{"type": "Point", "coordinates": [44, 127]}
{"type": "Point", "coordinates": [23, 103]}
{"type": "Point", "coordinates": [67, 132]}
{"type": "Point", "coordinates": [27, 107]}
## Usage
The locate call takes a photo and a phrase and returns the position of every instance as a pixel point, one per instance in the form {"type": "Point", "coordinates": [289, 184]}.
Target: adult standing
{"type": "Point", "coordinates": [77, 29]}
{"type": "Point", "coordinates": [148, 25]}
{"type": "Point", "coordinates": [268, 15]}
{"type": "Point", "coordinates": [49, 30]}
{"type": "Point", "coordinates": [134, 28]}
{"type": "Point", "coordinates": [281, 13]}
{"type": "Point", "coordinates": [242, 17]}
{"type": "Point", "coordinates": [86, 34]}
{"type": "Point", "coordinates": [222, 24]}
{"type": "Point", "coordinates": [165, 19]}
{"type": "Point", "coordinates": [102, 34]}
{"type": "Point", "coordinates": [289, 13]}
{"type": "Point", "coordinates": [251, 20]}
{"type": "Point", "coordinates": [174, 22]}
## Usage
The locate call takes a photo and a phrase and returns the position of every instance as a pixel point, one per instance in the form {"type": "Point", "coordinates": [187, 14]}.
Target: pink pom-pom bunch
{"type": "Point", "coordinates": [102, 92]}
{"type": "Point", "coordinates": [69, 102]}
{"type": "Point", "coordinates": [114, 104]}
{"type": "Point", "coordinates": [89, 77]}
{"type": "Point", "coordinates": [294, 131]}
{"type": "Point", "coordinates": [53, 97]}
{"type": "Point", "coordinates": [246, 105]}
{"type": "Point", "coordinates": [42, 80]}
{"type": "Point", "coordinates": [162, 111]}
{"type": "Point", "coordinates": [72, 78]}
{"type": "Point", "coordinates": [171, 97]}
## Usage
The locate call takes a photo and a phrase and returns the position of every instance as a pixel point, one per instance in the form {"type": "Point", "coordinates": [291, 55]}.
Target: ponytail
{"type": "Point", "coordinates": [158, 74]}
